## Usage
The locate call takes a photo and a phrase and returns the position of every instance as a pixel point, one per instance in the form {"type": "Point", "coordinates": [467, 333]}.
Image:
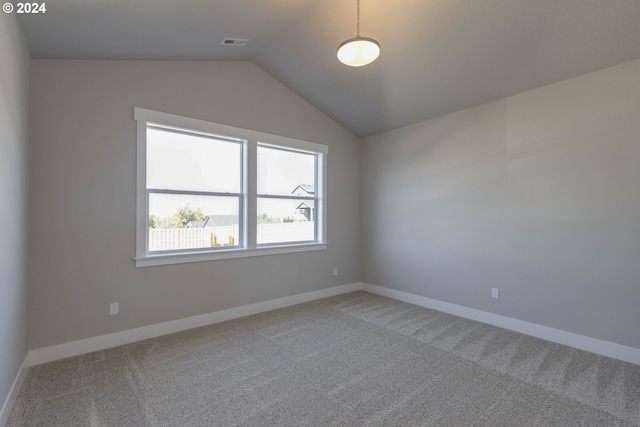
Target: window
{"type": "Point", "coordinates": [286, 184]}
{"type": "Point", "coordinates": [207, 191]}
{"type": "Point", "coordinates": [194, 190]}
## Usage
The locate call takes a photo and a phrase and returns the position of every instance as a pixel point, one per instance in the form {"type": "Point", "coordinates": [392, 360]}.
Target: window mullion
{"type": "Point", "coordinates": [251, 189]}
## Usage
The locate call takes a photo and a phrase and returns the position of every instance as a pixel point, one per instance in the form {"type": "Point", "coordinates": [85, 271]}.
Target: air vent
{"type": "Point", "coordinates": [234, 42]}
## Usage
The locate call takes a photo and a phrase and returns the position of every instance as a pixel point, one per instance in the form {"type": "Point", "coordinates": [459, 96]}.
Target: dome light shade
{"type": "Point", "coordinates": [358, 51]}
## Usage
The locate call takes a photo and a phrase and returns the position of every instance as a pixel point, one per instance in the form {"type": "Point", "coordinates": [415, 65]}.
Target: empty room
{"type": "Point", "coordinates": [320, 212]}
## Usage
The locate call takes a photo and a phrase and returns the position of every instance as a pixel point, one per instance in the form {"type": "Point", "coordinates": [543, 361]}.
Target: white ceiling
{"type": "Point", "coordinates": [438, 56]}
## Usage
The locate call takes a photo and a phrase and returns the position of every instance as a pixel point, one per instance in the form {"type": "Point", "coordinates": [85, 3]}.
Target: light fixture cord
{"type": "Point", "coordinates": [358, 19]}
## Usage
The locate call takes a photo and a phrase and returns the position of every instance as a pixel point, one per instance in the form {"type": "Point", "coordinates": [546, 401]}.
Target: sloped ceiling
{"type": "Point", "coordinates": [438, 56]}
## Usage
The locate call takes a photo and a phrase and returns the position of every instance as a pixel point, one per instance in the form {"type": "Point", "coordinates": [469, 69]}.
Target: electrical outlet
{"type": "Point", "coordinates": [114, 308]}
{"type": "Point", "coordinates": [335, 271]}
{"type": "Point", "coordinates": [495, 293]}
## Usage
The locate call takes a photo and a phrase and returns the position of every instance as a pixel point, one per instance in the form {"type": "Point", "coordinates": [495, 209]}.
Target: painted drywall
{"type": "Point", "coordinates": [82, 221]}
{"type": "Point", "coordinates": [14, 119]}
{"type": "Point", "coordinates": [537, 195]}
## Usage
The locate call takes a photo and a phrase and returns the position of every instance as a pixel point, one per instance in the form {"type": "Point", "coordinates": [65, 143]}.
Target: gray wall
{"type": "Point", "coordinates": [537, 195]}
{"type": "Point", "coordinates": [14, 121]}
{"type": "Point", "coordinates": [82, 221]}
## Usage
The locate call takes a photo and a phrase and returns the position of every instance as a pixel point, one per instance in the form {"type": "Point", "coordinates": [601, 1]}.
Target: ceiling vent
{"type": "Point", "coordinates": [234, 42]}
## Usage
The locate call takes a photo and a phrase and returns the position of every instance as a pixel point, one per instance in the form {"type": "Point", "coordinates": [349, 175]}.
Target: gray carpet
{"type": "Point", "coordinates": [350, 360]}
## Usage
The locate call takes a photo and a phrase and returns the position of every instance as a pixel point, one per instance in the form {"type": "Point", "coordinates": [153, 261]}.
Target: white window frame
{"type": "Point", "coordinates": [248, 246]}
{"type": "Point", "coordinates": [317, 177]}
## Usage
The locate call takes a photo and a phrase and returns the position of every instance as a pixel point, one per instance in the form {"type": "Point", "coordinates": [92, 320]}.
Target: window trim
{"type": "Point", "coordinates": [248, 197]}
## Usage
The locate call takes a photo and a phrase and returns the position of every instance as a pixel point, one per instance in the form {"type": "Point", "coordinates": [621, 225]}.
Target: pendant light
{"type": "Point", "coordinates": [358, 51]}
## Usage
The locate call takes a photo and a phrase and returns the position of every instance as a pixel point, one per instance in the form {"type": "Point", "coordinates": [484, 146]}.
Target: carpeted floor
{"type": "Point", "coordinates": [350, 360]}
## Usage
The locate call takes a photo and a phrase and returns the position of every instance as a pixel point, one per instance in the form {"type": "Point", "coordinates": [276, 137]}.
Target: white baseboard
{"type": "Point", "coordinates": [13, 392]}
{"type": "Point", "coordinates": [593, 345]}
{"type": "Point", "coordinates": [75, 348]}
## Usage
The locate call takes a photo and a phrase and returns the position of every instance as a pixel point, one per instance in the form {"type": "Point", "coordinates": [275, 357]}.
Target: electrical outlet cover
{"type": "Point", "coordinates": [114, 308]}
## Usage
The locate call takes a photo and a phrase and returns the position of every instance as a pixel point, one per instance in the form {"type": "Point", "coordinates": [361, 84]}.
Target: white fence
{"type": "Point", "coordinates": [164, 239]}
{"type": "Point", "coordinates": [275, 232]}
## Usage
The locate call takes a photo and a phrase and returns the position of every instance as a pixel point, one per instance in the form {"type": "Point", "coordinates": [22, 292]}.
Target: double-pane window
{"type": "Point", "coordinates": [208, 191]}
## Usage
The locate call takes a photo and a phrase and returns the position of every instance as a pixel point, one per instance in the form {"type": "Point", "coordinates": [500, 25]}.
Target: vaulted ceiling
{"type": "Point", "coordinates": [438, 56]}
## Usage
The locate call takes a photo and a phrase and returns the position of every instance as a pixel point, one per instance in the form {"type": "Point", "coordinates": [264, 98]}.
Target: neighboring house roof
{"type": "Point", "coordinates": [306, 188]}
{"type": "Point", "coordinates": [195, 224]}
{"type": "Point", "coordinates": [306, 204]}
{"type": "Point", "coordinates": [223, 220]}
{"type": "Point", "coordinates": [209, 222]}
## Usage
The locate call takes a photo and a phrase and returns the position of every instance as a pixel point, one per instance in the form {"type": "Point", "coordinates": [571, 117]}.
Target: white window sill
{"type": "Point", "coordinates": [165, 259]}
